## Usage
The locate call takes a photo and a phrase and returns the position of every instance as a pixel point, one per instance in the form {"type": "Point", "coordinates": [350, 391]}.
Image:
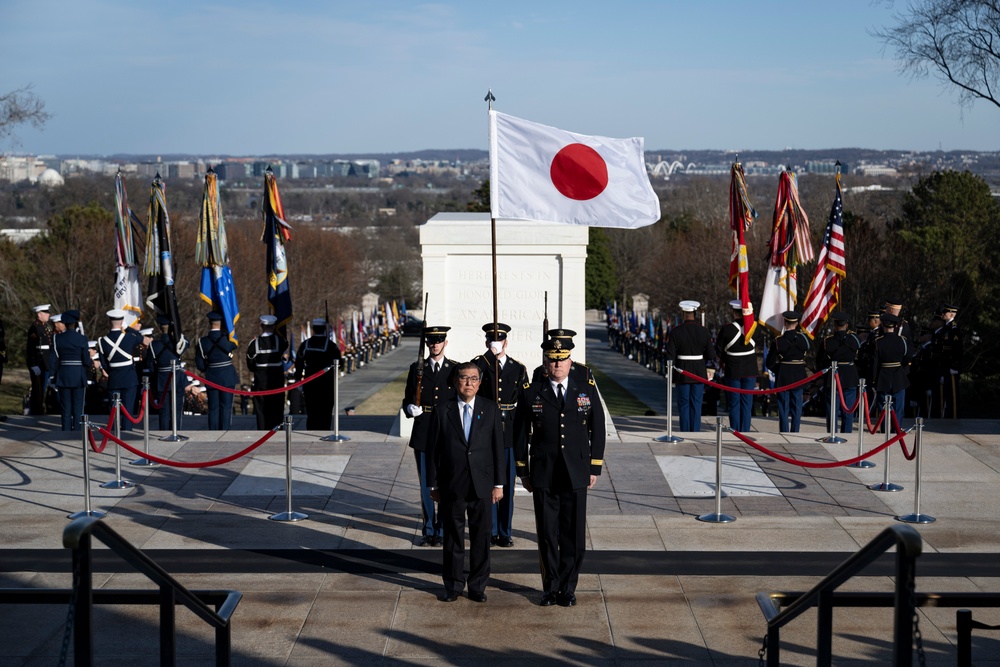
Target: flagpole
{"type": "Point", "coordinates": [489, 99]}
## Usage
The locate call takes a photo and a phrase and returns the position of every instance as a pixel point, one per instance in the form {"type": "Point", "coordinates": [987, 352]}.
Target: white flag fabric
{"type": "Point", "coordinates": [780, 295]}
{"type": "Point", "coordinates": [128, 296]}
{"type": "Point", "coordinates": [546, 174]}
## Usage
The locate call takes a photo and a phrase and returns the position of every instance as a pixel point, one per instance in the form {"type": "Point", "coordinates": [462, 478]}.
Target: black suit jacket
{"type": "Point", "coordinates": [456, 466]}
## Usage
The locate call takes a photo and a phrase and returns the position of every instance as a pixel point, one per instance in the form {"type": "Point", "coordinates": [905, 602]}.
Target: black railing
{"type": "Point", "coordinates": [908, 547]}
{"type": "Point", "coordinates": [77, 536]}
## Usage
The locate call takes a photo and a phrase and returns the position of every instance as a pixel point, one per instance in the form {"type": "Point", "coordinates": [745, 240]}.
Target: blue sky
{"type": "Point", "coordinates": [247, 77]}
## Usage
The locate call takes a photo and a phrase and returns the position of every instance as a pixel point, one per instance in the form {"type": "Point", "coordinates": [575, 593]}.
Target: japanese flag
{"type": "Point", "coordinates": [546, 174]}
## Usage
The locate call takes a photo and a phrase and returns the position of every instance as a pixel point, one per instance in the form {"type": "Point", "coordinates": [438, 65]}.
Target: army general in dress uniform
{"type": "Point", "coordinates": [433, 374]}
{"type": "Point", "coordinates": [510, 382]}
{"type": "Point", "coordinates": [559, 453]}
{"type": "Point", "coordinates": [214, 358]}
{"type": "Point", "coordinates": [316, 353]}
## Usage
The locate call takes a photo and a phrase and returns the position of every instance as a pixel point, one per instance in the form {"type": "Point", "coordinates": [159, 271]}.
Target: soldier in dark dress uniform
{"type": "Point", "coordinates": [69, 363]}
{"type": "Point", "coordinates": [214, 358]}
{"type": "Point", "coordinates": [690, 347]}
{"type": "Point", "coordinates": [162, 353]}
{"type": "Point", "coordinates": [316, 353]}
{"type": "Point", "coordinates": [786, 359]}
{"type": "Point", "coordinates": [435, 390]}
{"type": "Point", "coordinates": [892, 360]}
{"type": "Point", "coordinates": [559, 452]}
{"type": "Point", "coordinates": [948, 344]}
{"type": "Point", "coordinates": [739, 366]}
{"type": "Point", "coordinates": [264, 360]}
{"type": "Point", "coordinates": [117, 352]}
{"type": "Point", "coordinates": [841, 346]}
{"type": "Point", "coordinates": [511, 382]}
{"type": "Point", "coordinates": [37, 355]}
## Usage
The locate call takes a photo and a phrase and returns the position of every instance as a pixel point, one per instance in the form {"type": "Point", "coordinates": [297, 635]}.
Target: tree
{"type": "Point", "coordinates": [18, 107]}
{"type": "Point", "coordinates": [958, 40]}
{"type": "Point", "coordinates": [600, 270]}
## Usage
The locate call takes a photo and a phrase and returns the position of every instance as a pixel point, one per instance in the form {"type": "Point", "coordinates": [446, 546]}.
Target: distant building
{"type": "Point", "coordinates": [17, 168]}
{"type": "Point", "coordinates": [826, 167]}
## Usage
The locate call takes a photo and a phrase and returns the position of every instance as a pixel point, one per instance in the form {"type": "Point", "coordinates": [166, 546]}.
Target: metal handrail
{"type": "Point", "coordinates": [77, 536]}
{"type": "Point", "coordinates": [908, 547]}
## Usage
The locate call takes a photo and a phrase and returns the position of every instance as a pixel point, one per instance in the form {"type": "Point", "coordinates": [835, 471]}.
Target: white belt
{"type": "Point", "coordinates": [221, 364]}
{"type": "Point", "coordinates": [119, 364]}
{"type": "Point", "coordinates": [741, 354]}
{"type": "Point", "coordinates": [269, 365]}
{"type": "Point", "coordinates": [43, 347]}
{"type": "Point", "coordinates": [688, 357]}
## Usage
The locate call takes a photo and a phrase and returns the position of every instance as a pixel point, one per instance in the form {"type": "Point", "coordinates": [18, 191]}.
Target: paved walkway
{"type": "Point", "coordinates": [348, 586]}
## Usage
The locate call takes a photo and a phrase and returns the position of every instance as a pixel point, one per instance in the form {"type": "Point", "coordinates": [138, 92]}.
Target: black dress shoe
{"type": "Point", "coordinates": [477, 597]}
{"type": "Point", "coordinates": [424, 542]}
{"type": "Point", "coordinates": [448, 597]}
{"type": "Point", "coordinates": [494, 540]}
{"type": "Point", "coordinates": [548, 599]}
{"type": "Point", "coordinates": [505, 542]}
{"type": "Point", "coordinates": [437, 541]}
{"type": "Point", "coordinates": [566, 600]}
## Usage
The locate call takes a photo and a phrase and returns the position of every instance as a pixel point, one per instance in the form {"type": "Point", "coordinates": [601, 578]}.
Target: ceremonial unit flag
{"type": "Point", "coordinates": [212, 252]}
{"type": "Point", "coordinates": [741, 216]}
{"type": "Point", "coordinates": [831, 268]}
{"type": "Point", "coordinates": [545, 174]}
{"type": "Point", "coordinates": [788, 247]}
{"type": "Point", "coordinates": [161, 295]}
{"type": "Point", "coordinates": [128, 294]}
{"type": "Point", "coordinates": [276, 234]}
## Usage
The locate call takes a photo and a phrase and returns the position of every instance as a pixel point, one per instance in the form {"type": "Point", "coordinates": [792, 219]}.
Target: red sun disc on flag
{"type": "Point", "coordinates": [579, 172]}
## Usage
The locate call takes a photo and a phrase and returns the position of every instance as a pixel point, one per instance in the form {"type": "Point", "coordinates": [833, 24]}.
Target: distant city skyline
{"type": "Point", "coordinates": [228, 77]}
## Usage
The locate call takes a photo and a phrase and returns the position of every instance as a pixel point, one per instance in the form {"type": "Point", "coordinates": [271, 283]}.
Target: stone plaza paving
{"type": "Point", "coordinates": [349, 586]}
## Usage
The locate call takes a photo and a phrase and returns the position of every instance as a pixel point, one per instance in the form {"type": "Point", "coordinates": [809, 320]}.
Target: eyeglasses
{"type": "Point", "coordinates": [468, 378]}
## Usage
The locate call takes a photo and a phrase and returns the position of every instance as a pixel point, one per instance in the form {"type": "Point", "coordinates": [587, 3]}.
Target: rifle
{"type": "Point", "coordinates": [545, 322]}
{"type": "Point", "coordinates": [420, 356]}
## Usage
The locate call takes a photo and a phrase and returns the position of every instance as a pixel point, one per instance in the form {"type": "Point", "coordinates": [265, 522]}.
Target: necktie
{"type": "Point", "coordinates": [434, 367]}
{"type": "Point", "coordinates": [562, 397]}
{"type": "Point", "coordinates": [466, 419]}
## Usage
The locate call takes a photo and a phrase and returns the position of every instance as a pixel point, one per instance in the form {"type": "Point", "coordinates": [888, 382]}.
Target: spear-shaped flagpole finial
{"type": "Point", "coordinates": [489, 99]}
{"type": "Point", "coordinates": [838, 166]}
{"type": "Point", "coordinates": [269, 170]}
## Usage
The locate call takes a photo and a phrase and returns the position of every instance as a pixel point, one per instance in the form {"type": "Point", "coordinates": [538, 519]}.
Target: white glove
{"type": "Point", "coordinates": [35, 370]}
{"type": "Point", "coordinates": [414, 410]}
{"type": "Point", "coordinates": [954, 371]}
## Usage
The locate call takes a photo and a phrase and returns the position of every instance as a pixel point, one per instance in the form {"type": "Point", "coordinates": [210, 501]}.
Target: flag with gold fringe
{"type": "Point", "coordinates": [161, 295]}
{"type": "Point", "coordinates": [212, 252]}
{"type": "Point", "coordinates": [277, 232]}
{"type": "Point", "coordinates": [128, 292]}
{"type": "Point", "coordinates": [789, 246]}
{"type": "Point", "coordinates": [831, 269]}
{"type": "Point", "coordinates": [741, 217]}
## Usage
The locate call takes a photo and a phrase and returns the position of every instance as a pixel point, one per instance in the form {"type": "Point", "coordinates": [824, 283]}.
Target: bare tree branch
{"type": "Point", "coordinates": [18, 107]}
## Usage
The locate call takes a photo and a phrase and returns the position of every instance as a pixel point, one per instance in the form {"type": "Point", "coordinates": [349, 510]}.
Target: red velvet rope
{"type": "Point", "coordinates": [840, 393]}
{"type": "Point", "coordinates": [157, 404]}
{"type": "Point", "coordinates": [184, 464]}
{"type": "Point", "coordinates": [868, 418]}
{"type": "Point", "coordinates": [263, 392]}
{"type": "Point", "coordinates": [756, 392]}
{"type": "Point", "coordinates": [104, 442]}
{"type": "Point", "coordinates": [142, 410]}
{"type": "Point", "coordinates": [828, 464]}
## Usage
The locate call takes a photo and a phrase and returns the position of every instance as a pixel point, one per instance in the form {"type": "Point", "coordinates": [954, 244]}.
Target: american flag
{"type": "Point", "coordinates": [824, 291]}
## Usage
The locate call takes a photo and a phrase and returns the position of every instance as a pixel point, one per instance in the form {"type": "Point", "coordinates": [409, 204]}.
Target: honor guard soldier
{"type": "Point", "coordinates": [510, 382]}
{"type": "Point", "coordinates": [316, 353]}
{"type": "Point", "coordinates": [69, 363]}
{"type": "Point", "coordinates": [559, 452]}
{"type": "Point", "coordinates": [892, 358]}
{"type": "Point", "coordinates": [57, 326]}
{"type": "Point", "coordinates": [427, 387]}
{"type": "Point", "coordinates": [117, 352]}
{"type": "Point", "coordinates": [264, 360]}
{"type": "Point", "coordinates": [786, 359]}
{"type": "Point", "coordinates": [894, 306]}
{"type": "Point", "coordinates": [841, 346]}
{"type": "Point", "coordinates": [214, 358]}
{"type": "Point", "coordinates": [739, 366]}
{"type": "Point", "coordinates": [948, 345]}
{"type": "Point", "coordinates": [580, 372]}
{"type": "Point", "coordinates": [690, 347]}
{"type": "Point", "coordinates": [163, 352]}
{"type": "Point", "coordinates": [141, 357]}
{"type": "Point", "coordinates": [37, 355]}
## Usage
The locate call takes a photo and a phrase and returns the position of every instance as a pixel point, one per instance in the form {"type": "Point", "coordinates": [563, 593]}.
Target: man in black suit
{"type": "Point", "coordinates": [559, 452]}
{"type": "Point", "coordinates": [465, 475]}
